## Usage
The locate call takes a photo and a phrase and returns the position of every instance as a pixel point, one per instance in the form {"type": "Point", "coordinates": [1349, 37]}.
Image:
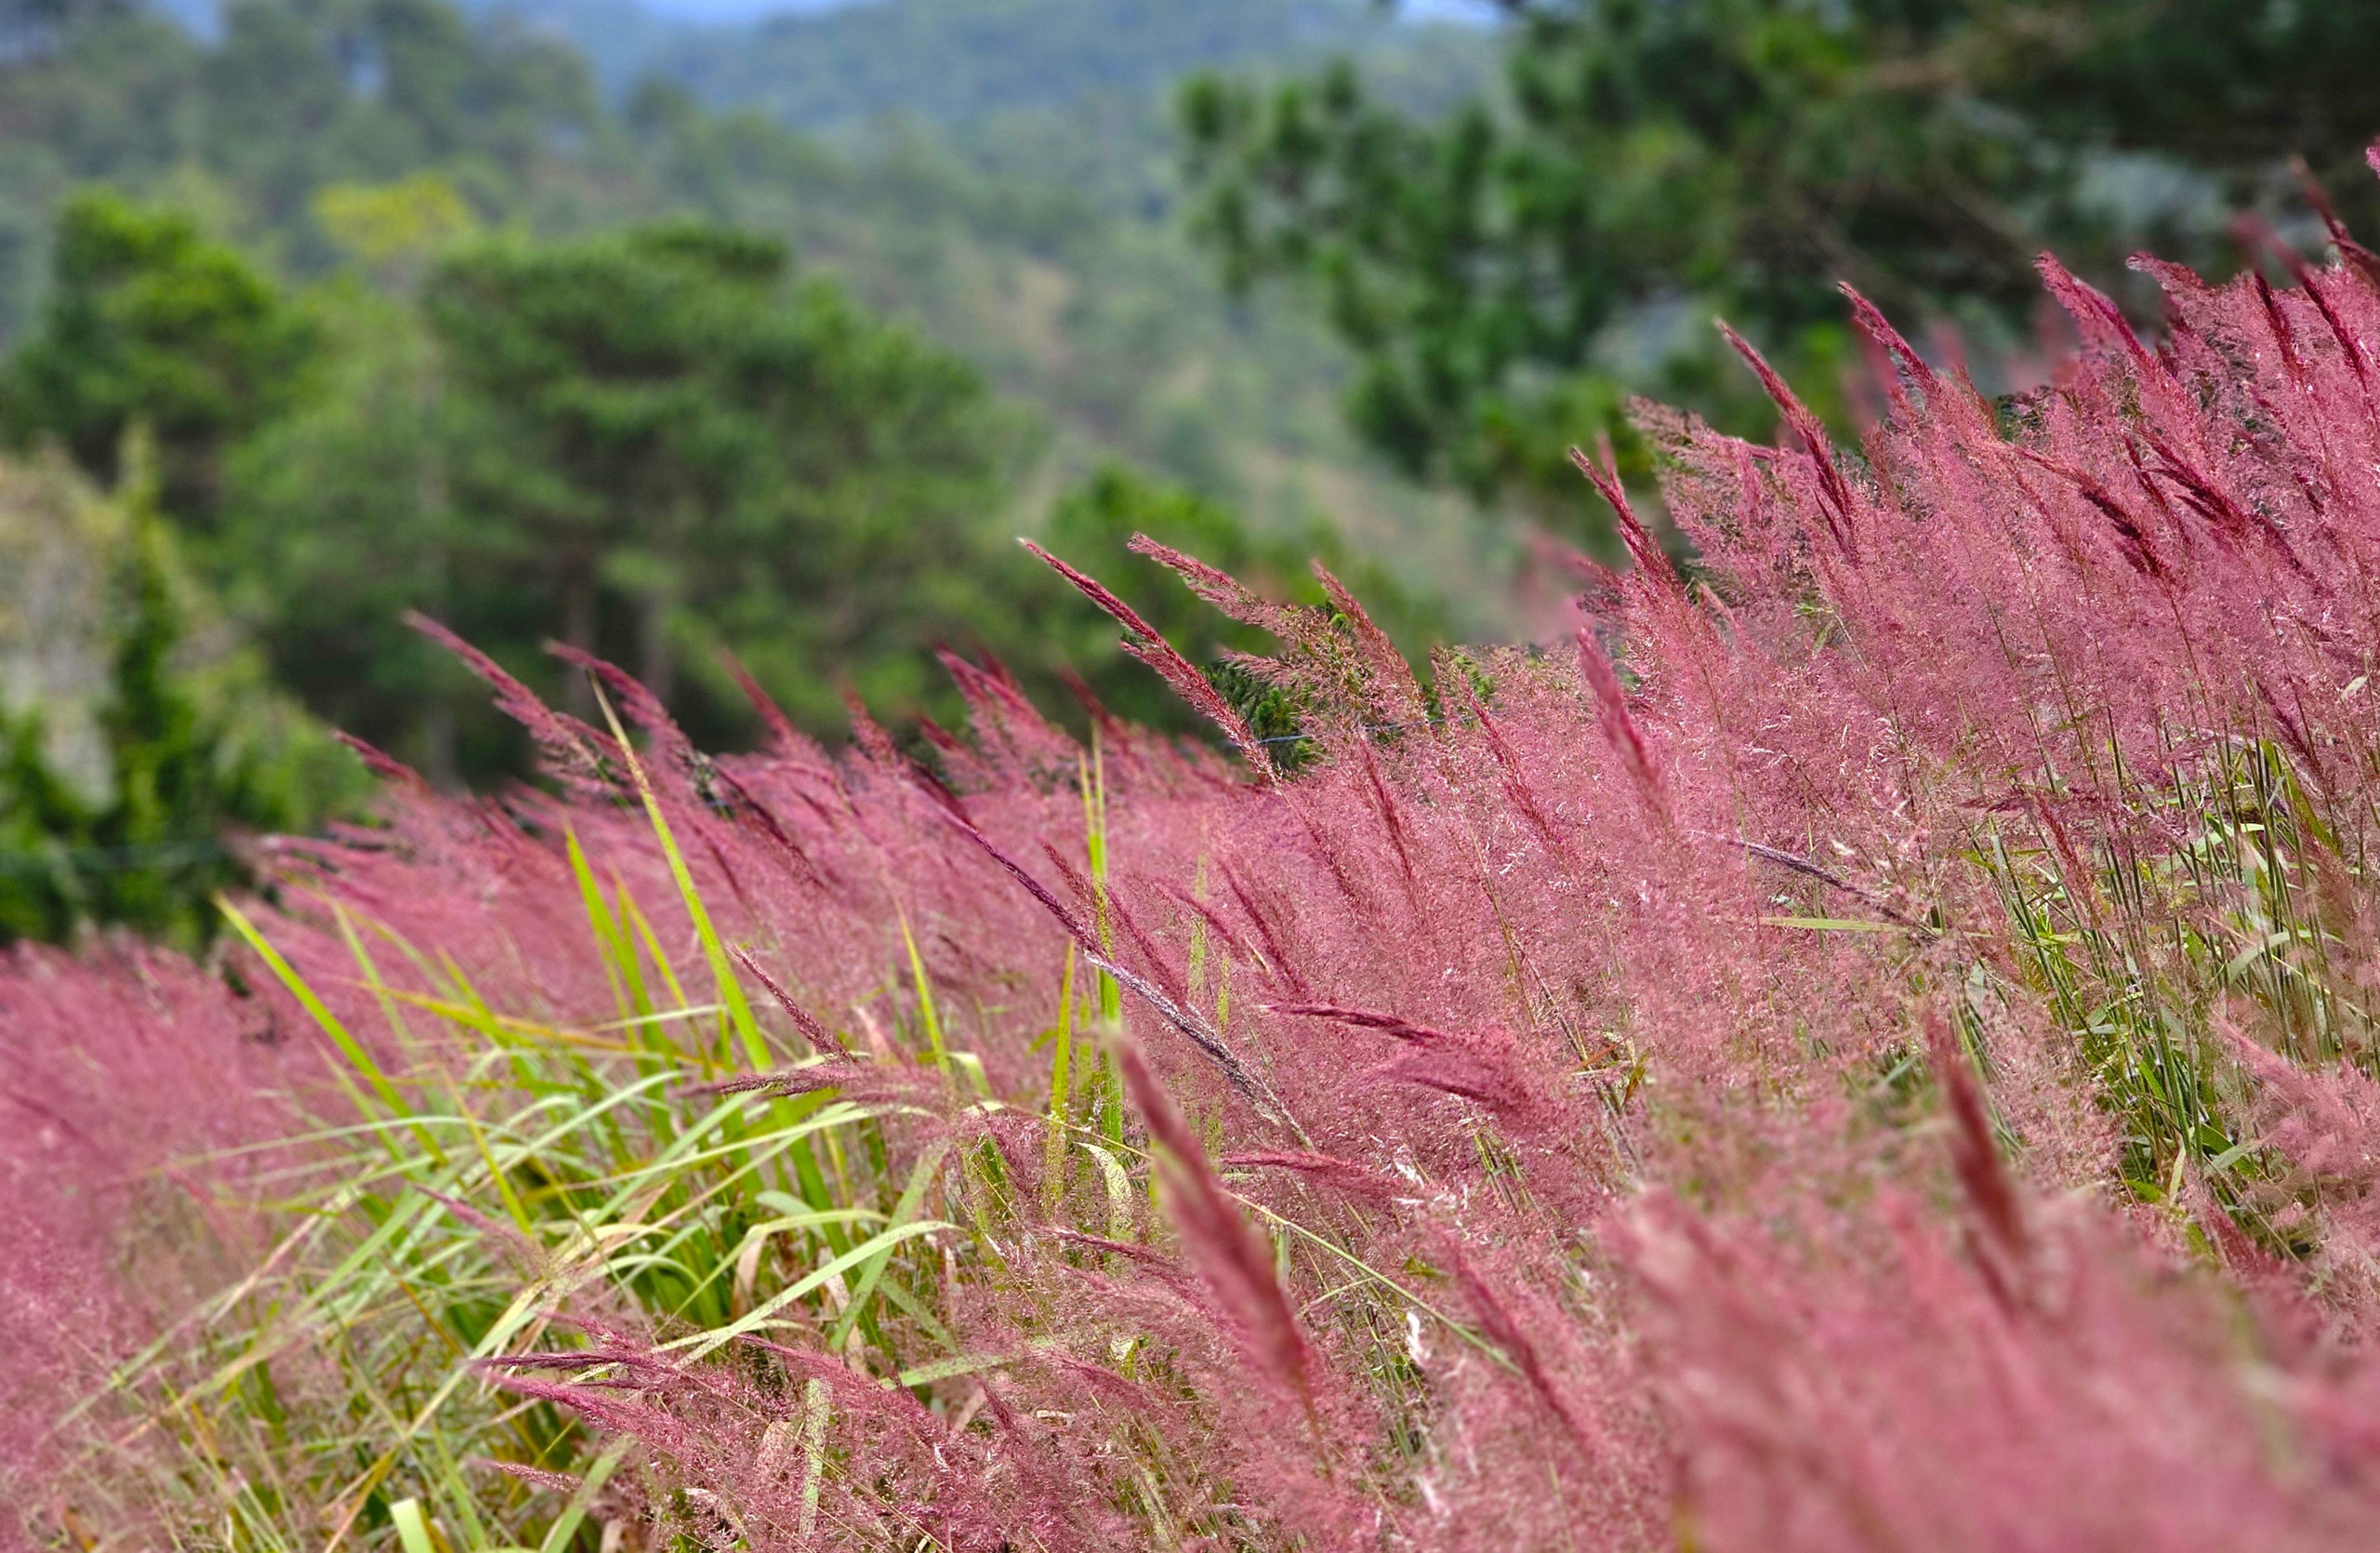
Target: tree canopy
{"type": "Point", "coordinates": [1503, 269]}
{"type": "Point", "coordinates": [649, 445]}
{"type": "Point", "coordinates": [151, 322]}
{"type": "Point", "coordinates": [141, 746]}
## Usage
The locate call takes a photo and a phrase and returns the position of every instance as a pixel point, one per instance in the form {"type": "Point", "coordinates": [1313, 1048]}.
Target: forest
{"type": "Point", "coordinates": [360, 316]}
{"type": "Point", "coordinates": [1275, 774]}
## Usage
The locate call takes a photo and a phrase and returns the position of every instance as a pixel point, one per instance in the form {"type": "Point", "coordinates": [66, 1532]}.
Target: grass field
{"type": "Point", "coordinates": [1866, 1045]}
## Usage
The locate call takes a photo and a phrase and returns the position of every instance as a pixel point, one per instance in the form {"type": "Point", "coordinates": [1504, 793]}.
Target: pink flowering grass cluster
{"type": "Point", "coordinates": [1868, 1046]}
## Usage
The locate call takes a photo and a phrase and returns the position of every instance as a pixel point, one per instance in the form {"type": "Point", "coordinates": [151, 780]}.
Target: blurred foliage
{"type": "Point", "coordinates": [662, 444]}
{"type": "Point", "coordinates": [956, 61]}
{"type": "Point", "coordinates": [670, 442]}
{"type": "Point", "coordinates": [389, 224]}
{"type": "Point", "coordinates": [151, 322]}
{"type": "Point", "coordinates": [1504, 268]}
{"type": "Point", "coordinates": [411, 322]}
{"type": "Point", "coordinates": [295, 95]}
{"type": "Point", "coordinates": [650, 446]}
{"type": "Point", "coordinates": [402, 133]}
{"type": "Point", "coordinates": [1038, 242]}
{"type": "Point", "coordinates": [196, 750]}
{"type": "Point", "coordinates": [1093, 528]}
{"type": "Point", "coordinates": [339, 521]}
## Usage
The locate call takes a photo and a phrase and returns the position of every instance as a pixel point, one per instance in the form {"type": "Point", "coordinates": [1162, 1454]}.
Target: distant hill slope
{"type": "Point", "coordinates": [949, 62]}
{"type": "Point", "coordinates": [1003, 174]}
{"type": "Point", "coordinates": [622, 40]}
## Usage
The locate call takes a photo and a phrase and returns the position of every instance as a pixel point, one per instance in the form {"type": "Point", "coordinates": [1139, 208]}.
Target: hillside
{"type": "Point", "coordinates": [951, 61]}
{"type": "Point", "coordinates": [1041, 242]}
{"type": "Point", "coordinates": [1090, 304]}
{"type": "Point", "coordinates": [1006, 175]}
{"type": "Point", "coordinates": [1042, 236]}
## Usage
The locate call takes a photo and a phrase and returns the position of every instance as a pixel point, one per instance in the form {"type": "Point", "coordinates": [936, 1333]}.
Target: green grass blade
{"type": "Point", "coordinates": [925, 1000]}
{"type": "Point", "coordinates": [880, 1243]}
{"type": "Point", "coordinates": [358, 1056]}
{"type": "Point", "coordinates": [912, 1195]}
{"type": "Point", "coordinates": [565, 1526]}
{"type": "Point", "coordinates": [722, 970]}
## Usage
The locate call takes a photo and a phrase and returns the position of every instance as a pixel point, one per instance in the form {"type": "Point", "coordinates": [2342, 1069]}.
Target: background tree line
{"type": "Point", "coordinates": [662, 445]}
{"type": "Point", "coordinates": [1507, 270]}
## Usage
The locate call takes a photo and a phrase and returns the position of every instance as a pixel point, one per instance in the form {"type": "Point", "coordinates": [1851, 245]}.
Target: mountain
{"type": "Point", "coordinates": [949, 62]}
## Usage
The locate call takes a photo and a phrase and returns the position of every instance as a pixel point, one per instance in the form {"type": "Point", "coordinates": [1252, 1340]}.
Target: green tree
{"type": "Point", "coordinates": [292, 96]}
{"type": "Point", "coordinates": [35, 27]}
{"type": "Point", "coordinates": [198, 750]}
{"type": "Point", "coordinates": [1504, 270]}
{"type": "Point", "coordinates": [150, 323]}
{"type": "Point", "coordinates": [667, 444]}
{"type": "Point", "coordinates": [337, 519]}
{"type": "Point", "coordinates": [304, 93]}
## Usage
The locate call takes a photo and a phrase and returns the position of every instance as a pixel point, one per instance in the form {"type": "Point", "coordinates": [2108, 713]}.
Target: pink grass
{"type": "Point", "coordinates": [1699, 1088]}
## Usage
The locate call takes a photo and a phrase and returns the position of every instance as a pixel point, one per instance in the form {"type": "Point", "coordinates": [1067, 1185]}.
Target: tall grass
{"type": "Point", "coordinates": [1869, 1044]}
